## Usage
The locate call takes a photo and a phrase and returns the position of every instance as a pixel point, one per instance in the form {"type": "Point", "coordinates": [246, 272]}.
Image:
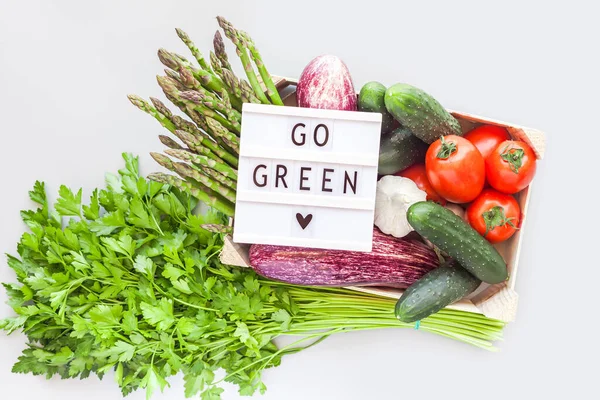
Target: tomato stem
{"type": "Point", "coordinates": [446, 150]}
{"type": "Point", "coordinates": [514, 157]}
{"type": "Point", "coordinates": [495, 217]}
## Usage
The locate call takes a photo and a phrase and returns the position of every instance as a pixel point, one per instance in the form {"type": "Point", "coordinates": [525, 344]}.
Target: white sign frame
{"type": "Point", "coordinates": [339, 148]}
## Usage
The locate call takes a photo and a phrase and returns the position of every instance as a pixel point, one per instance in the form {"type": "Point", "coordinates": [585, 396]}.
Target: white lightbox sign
{"type": "Point", "coordinates": [307, 177]}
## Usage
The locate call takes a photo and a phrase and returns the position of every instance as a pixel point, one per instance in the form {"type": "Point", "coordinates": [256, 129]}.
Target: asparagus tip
{"type": "Point", "coordinates": [137, 101]}
{"type": "Point", "coordinates": [158, 177]}
{"type": "Point", "coordinates": [160, 158]}
{"type": "Point", "coordinates": [157, 103]}
{"type": "Point", "coordinates": [181, 33]}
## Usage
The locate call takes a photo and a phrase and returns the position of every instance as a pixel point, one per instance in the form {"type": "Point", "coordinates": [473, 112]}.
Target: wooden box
{"type": "Point", "coordinates": [495, 301]}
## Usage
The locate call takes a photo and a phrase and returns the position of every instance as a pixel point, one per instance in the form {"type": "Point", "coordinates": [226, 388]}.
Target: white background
{"type": "Point", "coordinates": [66, 66]}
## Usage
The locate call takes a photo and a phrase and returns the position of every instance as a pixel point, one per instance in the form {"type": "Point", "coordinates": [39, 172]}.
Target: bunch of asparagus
{"type": "Point", "coordinates": [211, 96]}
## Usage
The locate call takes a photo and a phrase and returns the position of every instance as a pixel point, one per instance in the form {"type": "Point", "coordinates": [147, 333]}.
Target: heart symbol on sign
{"type": "Point", "coordinates": [303, 221]}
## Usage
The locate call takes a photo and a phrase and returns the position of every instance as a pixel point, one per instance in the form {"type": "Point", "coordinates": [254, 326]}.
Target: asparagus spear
{"type": "Point", "coordinates": [240, 88]}
{"type": "Point", "coordinates": [168, 85]}
{"type": "Point", "coordinates": [170, 143]}
{"type": "Point", "coordinates": [193, 49]}
{"type": "Point", "coordinates": [197, 104]}
{"type": "Point", "coordinates": [194, 116]}
{"type": "Point", "coordinates": [235, 38]}
{"type": "Point", "coordinates": [189, 80]}
{"type": "Point", "coordinates": [176, 76]}
{"type": "Point", "coordinates": [248, 93]}
{"type": "Point", "coordinates": [233, 113]}
{"type": "Point", "coordinates": [196, 146]}
{"type": "Point", "coordinates": [216, 64]}
{"type": "Point", "coordinates": [220, 53]}
{"type": "Point", "coordinates": [146, 107]}
{"type": "Point", "coordinates": [187, 173]}
{"type": "Point", "coordinates": [197, 191]}
{"type": "Point", "coordinates": [187, 126]}
{"type": "Point", "coordinates": [211, 173]}
{"type": "Point", "coordinates": [161, 108]}
{"type": "Point", "coordinates": [232, 141]}
{"type": "Point", "coordinates": [209, 99]}
{"type": "Point", "coordinates": [177, 63]}
{"type": "Point", "coordinates": [185, 170]}
{"type": "Point", "coordinates": [163, 160]}
{"type": "Point", "coordinates": [203, 140]}
{"type": "Point", "coordinates": [262, 69]}
{"type": "Point", "coordinates": [168, 59]}
{"type": "Point", "coordinates": [197, 118]}
{"type": "Point", "coordinates": [199, 160]}
{"type": "Point", "coordinates": [216, 228]}
{"type": "Point", "coordinates": [232, 82]}
{"type": "Point", "coordinates": [179, 167]}
{"type": "Point", "coordinates": [211, 102]}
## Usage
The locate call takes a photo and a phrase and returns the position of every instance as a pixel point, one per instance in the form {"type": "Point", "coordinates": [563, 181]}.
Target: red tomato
{"type": "Point", "coordinates": [494, 215]}
{"type": "Point", "coordinates": [487, 137]}
{"type": "Point", "coordinates": [511, 166]}
{"type": "Point", "coordinates": [455, 169]}
{"type": "Point", "coordinates": [417, 174]}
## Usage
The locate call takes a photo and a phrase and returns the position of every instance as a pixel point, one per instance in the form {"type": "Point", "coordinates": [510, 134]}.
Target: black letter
{"type": "Point", "coordinates": [304, 178]}
{"type": "Point", "coordinates": [325, 179]}
{"type": "Point", "coordinates": [303, 135]}
{"type": "Point", "coordinates": [347, 180]}
{"type": "Point", "coordinates": [282, 176]}
{"type": "Point", "coordinates": [326, 135]}
{"type": "Point", "coordinates": [264, 176]}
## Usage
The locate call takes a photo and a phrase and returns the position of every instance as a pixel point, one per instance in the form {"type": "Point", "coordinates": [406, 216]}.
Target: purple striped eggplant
{"type": "Point", "coordinates": [396, 262]}
{"type": "Point", "coordinates": [326, 83]}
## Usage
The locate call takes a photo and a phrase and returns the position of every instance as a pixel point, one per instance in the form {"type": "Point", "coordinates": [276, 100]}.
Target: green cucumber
{"type": "Point", "coordinates": [437, 289]}
{"type": "Point", "coordinates": [371, 99]}
{"type": "Point", "coordinates": [420, 113]}
{"type": "Point", "coordinates": [454, 236]}
{"type": "Point", "coordinates": [399, 150]}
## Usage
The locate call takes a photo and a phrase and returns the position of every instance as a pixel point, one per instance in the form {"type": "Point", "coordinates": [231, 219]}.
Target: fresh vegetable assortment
{"type": "Point", "coordinates": [132, 281]}
{"type": "Point", "coordinates": [454, 171]}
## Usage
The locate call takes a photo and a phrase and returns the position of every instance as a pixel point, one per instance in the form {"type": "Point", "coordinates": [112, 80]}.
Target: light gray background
{"type": "Point", "coordinates": [66, 66]}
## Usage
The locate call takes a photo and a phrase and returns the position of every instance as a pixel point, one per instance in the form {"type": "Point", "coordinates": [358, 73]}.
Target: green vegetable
{"type": "Point", "coordinates": [421, 113]}
{"type": "Point", "coordinates": [371, 99]}
{"type": "Point", "coordinates": [199, 160]}
{"type": "Point", "coordinates": [399, 150]}
{"type": "Point", "coordinates": [193, 49]}
{"type": "Point", "coordinates": [197, 190]}
{"type": "Point", "coordinates": [455, 237]}
{"type": "Point", "coordinates": [133, 284]}
{"type": "Point", "coordinates": [211, 96]}
{"type": "Point", "coordinates": [242, 50]}
{"type": "Point", "coordinates": [220, 54]}
{"type": "Point", "coordinates": [439, 288]}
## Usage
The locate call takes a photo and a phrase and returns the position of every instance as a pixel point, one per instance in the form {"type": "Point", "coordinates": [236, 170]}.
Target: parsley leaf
{"type": "Point", "coordinates": [153, 381]}
{"type": "Point", "coordinates": [144, 265]}
{"type": "Point", "coordinates": [92, 211]}
{"type": "Point", "coordinates": [160, 314]}
{"type": "Point", "coordinates": [68, 204]}
{"type": "Point", "coordinates": [284, 317]}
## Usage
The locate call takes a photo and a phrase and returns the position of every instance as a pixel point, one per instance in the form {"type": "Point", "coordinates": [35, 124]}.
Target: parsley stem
{"type": "Point", "coordinates": [181, 301]}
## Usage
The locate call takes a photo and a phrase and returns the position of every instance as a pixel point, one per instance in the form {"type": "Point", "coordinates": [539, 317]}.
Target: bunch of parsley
{"type": "Point", "coordinates": [131, 282]}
